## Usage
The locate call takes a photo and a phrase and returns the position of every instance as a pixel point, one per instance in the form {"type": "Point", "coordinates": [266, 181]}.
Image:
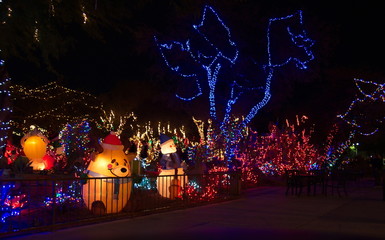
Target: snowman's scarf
{"type": "Point", "coordinates": [115, 180]}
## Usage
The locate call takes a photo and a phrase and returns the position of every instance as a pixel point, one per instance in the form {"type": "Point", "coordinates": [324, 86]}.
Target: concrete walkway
{"type": "Point", "coordinates": [261, 213]}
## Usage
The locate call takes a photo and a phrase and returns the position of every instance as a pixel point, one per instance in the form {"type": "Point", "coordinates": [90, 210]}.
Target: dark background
{"type": "Point", "coordinates": [114, 55]}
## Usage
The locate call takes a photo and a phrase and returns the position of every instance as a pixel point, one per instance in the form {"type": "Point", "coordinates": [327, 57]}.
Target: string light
{"type": "Point", "coordinates": [76, 142]}
{"type": "Point", "coordinates": [5, 109]}
{"type": "Point", "coordinates": [279, 150]}
{"type": "Point", "coordinates": [65, 195]}
{"type": "Point", "coordinates": [52, 8]}
{"type": "Point", "coordinates": [11, 203]}
{"type": "Point", "coordinates": [212, 57]}
{"type": "Point", "coordinates": [195, 192]}
{"type": "Point", "coordinates": [300, 39]}
{"type": "Point", "coordinates": [353, 114]}
{"type": "Point", "coordinates": [211, 63]}
{"type": "Point", "coordinates": [109, 121]}
{"type": "Point", "coordinates": [36, 33]}
{"type": "Point", "coordinates": [334, 152]}
{"type": "Point", "coordinates": [200, 126]}
{"type": "Point", "coordinates": [85, 18]}
{"type": "Point", "coordinates": [65, 105]}
{"type": "Point", "coordinates": [146, 184]}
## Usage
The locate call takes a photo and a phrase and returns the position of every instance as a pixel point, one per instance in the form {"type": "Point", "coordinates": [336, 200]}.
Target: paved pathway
{"type": "Point", "coordinates": [261, 213]}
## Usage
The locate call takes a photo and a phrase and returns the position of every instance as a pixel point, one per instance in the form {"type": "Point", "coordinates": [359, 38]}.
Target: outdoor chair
{"type": "Point", "coordinates": [318, 180]}
{"type": "Point", "coordinates": [293, 182]}
{"type": "Point", "coordinates": [336, 181]}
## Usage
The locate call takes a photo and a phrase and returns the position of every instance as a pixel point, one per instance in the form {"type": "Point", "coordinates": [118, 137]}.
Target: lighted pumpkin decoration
{"type": "Point", "coordinates": [35, 147]}
{"type": "Point", "coordinates": [169, 183]}
{"type": "Point", "coordinates": [108, 188]}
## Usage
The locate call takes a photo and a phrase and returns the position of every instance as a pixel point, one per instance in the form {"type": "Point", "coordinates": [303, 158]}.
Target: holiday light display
{"type": "Point", "coordinates": [334, 154]}
{"type": "Point", "coordinates": [146, 136]}
{"type": "Point", "coordinates": [271, 154]}
{"type": "Point", "coordinates": [65, 195]}
{"type": "Point", "coordinates": [211, 63]}
{"type": "Point", "coordinates": [110, 185]}
{"type": "Point", "coordinates": [34, 146]}
{"type": "Point", "coordinates": [195, 192]}
{"type": "Point", "coordinates": [200, 126]}
{"type": "Point", "coordinates": [11, 152]}
{"type": "Point", "coordinates": [52, 106]}
{"type": "Point", "coordinates": [284, 149]}
{"type": "Point", "coordinates": [360, 115]}
{"type": "Point", "coordinates": [76, 142]}
{"type": "Point", "coordinates": [216, 49]}
{"type": "Point", "coordinates": [5, 108]}
{"type": "Point", "coordinates": [146, 184]}
{"type": "Point", "coordinates": [52, 7]}
{"type": "Point", "coordinates": [363, 116]}
{"type": "Point", "coordinates": [171, 179]}
{"type": "Point", "coordinates": [111, 122]}
{"type": "Point", "coordinates": [335, 147]}
{"type": "Point", "coordinates": [10, 203]}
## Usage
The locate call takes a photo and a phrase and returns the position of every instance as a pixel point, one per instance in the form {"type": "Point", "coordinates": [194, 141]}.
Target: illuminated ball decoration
{"type": "Point", "coordinates": [108, 188]}
{"type": "Point", "coordinates": [35, 147]}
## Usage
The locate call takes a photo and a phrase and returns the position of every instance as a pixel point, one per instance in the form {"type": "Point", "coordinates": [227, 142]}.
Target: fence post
{"type": "Point", "coordinates": [235, 183]}
{"type": "Point", "coordinates": [53, 202]}
{"type": "Point", "coordinates": [383, 185]}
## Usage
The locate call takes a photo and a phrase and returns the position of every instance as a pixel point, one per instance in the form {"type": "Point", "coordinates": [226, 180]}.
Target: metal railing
{"type": "Point", "coordinates": [48, 203]}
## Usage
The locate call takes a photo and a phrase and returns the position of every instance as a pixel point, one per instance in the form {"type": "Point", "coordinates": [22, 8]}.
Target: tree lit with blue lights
{"type": "Point", "coordinates": [215, 51]}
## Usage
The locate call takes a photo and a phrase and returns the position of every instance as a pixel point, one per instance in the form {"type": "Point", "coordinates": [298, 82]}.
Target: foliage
{"type": "Point", "coordinates": [21, 164]}
{"type": "Point", "coordinates": [3, 162]}
{"type": "Point", "coordinates": [76, 141]}
{"type": "Point", "coordinates": [286, 149]}
{"type": "Point", "coordinates": [11, 202]}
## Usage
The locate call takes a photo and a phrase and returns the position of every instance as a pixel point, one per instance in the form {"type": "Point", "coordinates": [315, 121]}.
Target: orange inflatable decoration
{"type": "Point", "coordinates": [109, 187]}
{"type": "Point", "coordinates": [35, 147]}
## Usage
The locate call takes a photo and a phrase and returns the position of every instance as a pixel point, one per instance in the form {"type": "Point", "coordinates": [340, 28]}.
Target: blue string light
{"type": "Point", "coordinates": [378, 95]}
{"type": "Point", "coordinates": [7, 209]}
{"type": "Point", "coordinates": [211, 64]}
{"type": "Point", "coordinates": [75, 137]}
{"type": "Point", "coordinates": [333, 154]}
{"type": "Point", "coordinates": [299, 39]}
{"type": "Point", "coordinates": [5, 111]}
{"type": "Point", "coordinates": [213, 56]}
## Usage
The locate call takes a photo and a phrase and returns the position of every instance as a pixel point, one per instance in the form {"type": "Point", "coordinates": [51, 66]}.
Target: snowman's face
{"type": "Point", "coordinates": [168, 147]}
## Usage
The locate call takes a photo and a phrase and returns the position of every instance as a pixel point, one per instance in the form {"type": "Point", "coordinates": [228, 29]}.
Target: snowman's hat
{"type": "Point", "coordinates": [164, 138]}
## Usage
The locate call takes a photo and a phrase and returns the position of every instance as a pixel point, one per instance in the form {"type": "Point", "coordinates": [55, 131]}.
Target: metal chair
{"type": "Point", "coordinates": [337, 181]}
{"type": "Point", "coordinates": [293, 182]}
{"type": "Point", "coordinates": [318, 180]}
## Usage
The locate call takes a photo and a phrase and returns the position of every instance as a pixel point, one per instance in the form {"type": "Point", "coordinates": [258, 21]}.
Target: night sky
{"type": "Point", "coordinates": [123, 67]}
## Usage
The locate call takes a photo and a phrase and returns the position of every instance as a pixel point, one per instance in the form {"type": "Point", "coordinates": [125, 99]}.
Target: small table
{"type": "Point", "coordinates": [311, 179]}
